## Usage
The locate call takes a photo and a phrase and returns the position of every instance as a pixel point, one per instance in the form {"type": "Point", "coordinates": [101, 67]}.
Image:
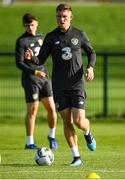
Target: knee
{"type": "Point", "coordinates": [32, 113]}
{"type": "Point", "coordinates": [78, 123]}
{"type": "Point", "coordinates": [82, 123]}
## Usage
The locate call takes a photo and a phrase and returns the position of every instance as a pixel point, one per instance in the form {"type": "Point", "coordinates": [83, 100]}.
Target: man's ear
{"type": "Point", "coordinates": [37, 23]}
{"type": "Point", "coordinates": [72, 17]}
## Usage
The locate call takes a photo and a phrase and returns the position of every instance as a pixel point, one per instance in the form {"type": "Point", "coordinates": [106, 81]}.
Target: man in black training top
{"type": "Point", "coordinates": [65, 45]}
{"type": "Point", "coordinates": [37, 88]}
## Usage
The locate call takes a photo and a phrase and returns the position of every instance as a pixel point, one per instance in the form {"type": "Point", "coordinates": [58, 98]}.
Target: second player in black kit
{"type": "Point", "coordinates": [28, 67]}
{"type": "Point", "coordinates": [36, 88]}
{"type": "Point", "coordinates": [29, 80]}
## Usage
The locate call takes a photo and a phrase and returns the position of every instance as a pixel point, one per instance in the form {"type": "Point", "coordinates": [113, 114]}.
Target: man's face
{"type": "Point", "coordinates": [63, 19]}
{"type": "Point", "coordinates": [31, 27]}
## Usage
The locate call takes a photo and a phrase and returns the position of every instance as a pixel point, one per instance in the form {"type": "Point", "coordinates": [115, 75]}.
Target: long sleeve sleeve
{"type": "Point", "coordinates": [21, 63]}
{"type": "Point", "coordinates": [90, 52]}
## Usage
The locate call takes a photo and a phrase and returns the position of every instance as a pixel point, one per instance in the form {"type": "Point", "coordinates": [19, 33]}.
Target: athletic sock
{"type": "Point", "coordinates": [86, 132]}
{"type": "Point", "coordinates": [29, 140]}
{"type": "Point", "coordinates": [52, 132]}
{"type": "Point", "coordinates": [75, 151]}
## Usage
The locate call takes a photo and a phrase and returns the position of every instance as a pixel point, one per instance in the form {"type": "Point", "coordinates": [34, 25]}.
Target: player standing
{"type": "Point", "coordinates": [36, 85]}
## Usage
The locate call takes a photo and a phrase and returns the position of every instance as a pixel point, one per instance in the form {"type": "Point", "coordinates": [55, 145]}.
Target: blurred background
{"type": "Point", "coordinates": [81, 1]}
{"type": "Point", "coordinates": [102, 20]}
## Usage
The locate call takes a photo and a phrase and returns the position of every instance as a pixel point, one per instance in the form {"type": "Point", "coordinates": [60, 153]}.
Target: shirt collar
{"type": "Point", "coordinates": [69, 29]}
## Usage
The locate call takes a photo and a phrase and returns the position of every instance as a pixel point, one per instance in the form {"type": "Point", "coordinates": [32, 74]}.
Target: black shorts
{"type": "Point", "coordinates": [69, 99]}
{"type": "Point", "coordinates": [36, 89]}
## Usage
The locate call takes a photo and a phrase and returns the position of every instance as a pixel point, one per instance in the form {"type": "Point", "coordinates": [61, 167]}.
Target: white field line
{"type": "Point", "coordinates": [63, 171]}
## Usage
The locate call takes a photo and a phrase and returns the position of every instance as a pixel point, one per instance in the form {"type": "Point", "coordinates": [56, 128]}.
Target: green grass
{"type": "Point", "coordinates": [107, 161]}
{"type": "Point", "coordinates": [103, 23]}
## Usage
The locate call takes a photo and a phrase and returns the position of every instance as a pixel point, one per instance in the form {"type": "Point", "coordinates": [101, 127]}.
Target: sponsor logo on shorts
{"type": "Point", "coordinates": [81, 102]}
{"type": "Point", "coordinates": [35, 96]}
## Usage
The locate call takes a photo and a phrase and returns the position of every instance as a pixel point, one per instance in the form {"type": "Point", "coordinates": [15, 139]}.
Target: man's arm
{"type": "Point", "coordinates": [90, 52]}
{"type": "Point", "coordinates": [20, 51]}
{"type": "Point", "coordinates": [91, 55]}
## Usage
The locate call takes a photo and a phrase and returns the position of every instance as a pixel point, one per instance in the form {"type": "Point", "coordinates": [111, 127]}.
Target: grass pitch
{"type": "Point", "coordinates": [107, 161]}
{"type": "Point", "coordinates": [106, 31]}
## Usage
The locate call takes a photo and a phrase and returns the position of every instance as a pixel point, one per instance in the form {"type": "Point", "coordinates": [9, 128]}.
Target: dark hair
{"type": "Point", "coordinates": [28, 18]}
{"type": "Point", "coordinates": [62, 7]}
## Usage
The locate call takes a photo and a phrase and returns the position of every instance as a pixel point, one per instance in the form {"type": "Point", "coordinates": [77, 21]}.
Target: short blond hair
{"type": "Point", "coordinates": [62, 7]}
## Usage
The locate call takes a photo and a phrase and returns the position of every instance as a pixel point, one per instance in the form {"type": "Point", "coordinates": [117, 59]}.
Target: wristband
{"type": "Point", "coordinates": [36, 71]}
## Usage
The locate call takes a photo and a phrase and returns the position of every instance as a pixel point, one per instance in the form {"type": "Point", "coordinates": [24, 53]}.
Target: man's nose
{"type": "Point", "coordinates": [62, 19]}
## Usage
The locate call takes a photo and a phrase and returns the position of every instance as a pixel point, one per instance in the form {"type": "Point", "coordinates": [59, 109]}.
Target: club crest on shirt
{"type": "Point", "coordinates": [40, 41]}
{"type": "Point", "coordinates": [74, 41]}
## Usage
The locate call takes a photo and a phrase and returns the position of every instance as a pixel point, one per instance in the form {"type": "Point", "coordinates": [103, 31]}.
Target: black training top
{"type": "Point", "coordinates": [24, 42]}
{"type": "Point", "coordinates": [66, 51]}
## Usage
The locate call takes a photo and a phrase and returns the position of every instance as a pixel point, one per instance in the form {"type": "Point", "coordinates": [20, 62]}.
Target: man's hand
{"type": "Point", "coordinates": [89, 74]}
{"type": "Point", "coordinates": [40, 74]}
{"type": "Point", "coordinates": [28, 54]}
